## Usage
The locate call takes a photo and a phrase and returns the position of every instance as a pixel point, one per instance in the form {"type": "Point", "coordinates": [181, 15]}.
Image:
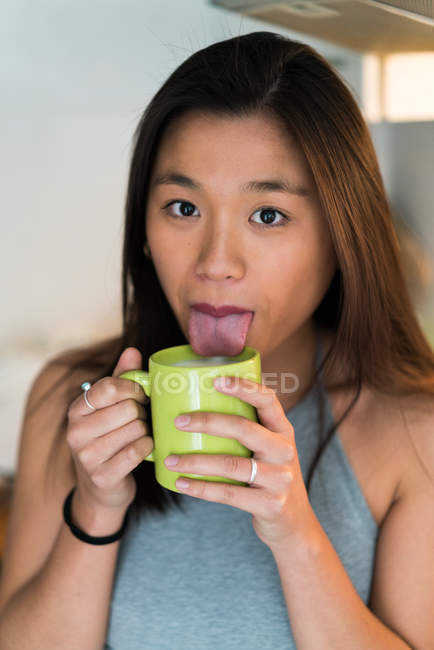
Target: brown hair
{"type": "Point", "coordinates": [378, 339]}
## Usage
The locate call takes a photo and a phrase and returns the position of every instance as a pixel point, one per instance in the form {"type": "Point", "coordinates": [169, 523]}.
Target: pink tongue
{"type": "Point", "coordinates": [210, 336]}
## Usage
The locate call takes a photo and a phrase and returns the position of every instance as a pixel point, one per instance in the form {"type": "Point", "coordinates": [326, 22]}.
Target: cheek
{"type": "Point", "coordinates": [315, 250]}
{"type": "Point", "coordinates": [164, 246]}
{"type": "Point", "coordinates": [305, 255]}
{"type": "Point", "coordinates": [318, 269]}
{"type": "Point", "coordinates": [169, 275]}
{"type": "Point", "coordinates": [300, 276]}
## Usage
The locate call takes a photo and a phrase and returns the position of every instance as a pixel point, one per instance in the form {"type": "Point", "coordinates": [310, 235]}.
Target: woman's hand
{"type": "Point", "coordinates": [277, 499]}
{"type": "Point", "coordinates": [108, 443]}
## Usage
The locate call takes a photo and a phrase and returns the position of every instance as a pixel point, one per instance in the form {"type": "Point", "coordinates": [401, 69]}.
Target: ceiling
{"type": "Point", "coordinates": [368, 26]}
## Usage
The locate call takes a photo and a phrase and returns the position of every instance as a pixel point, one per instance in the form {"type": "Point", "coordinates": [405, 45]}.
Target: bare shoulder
{"type": "Point", "coordinates": [388, 440]}
{"type": "Point", "coordinates": [51, 388]}
{"type": "Point", "coordinates": [55, 386]}
{"type": "Point", "coordinates": [399, 431]}
{"type": "Point", "coordinates": [99, 352]}
{"type": "Point", "coordinates": [417, 416]}
{"type": "Point", "coordinates": [406, 428]}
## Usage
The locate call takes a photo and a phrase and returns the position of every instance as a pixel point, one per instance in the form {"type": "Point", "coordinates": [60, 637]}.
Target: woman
{"type": "Point", "coordinates": [253, 182]}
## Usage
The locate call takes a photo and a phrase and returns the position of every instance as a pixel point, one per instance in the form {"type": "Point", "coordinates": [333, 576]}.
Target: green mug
{"type": "Point", "coordinates": [174, 389]}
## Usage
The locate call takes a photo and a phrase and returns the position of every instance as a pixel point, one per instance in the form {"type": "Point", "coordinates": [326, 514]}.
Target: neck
{"type": "Point", "coordinates": [291, 366]}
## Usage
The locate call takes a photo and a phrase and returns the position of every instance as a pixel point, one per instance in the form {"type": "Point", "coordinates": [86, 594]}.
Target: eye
{"type": "Point", "coordinates": [188, 211]}
{"type": "Point", "coordinates": [268, 213]}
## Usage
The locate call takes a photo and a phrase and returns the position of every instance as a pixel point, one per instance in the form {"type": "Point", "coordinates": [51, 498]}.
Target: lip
{"type": "Point", "coordinates": [223, 310]}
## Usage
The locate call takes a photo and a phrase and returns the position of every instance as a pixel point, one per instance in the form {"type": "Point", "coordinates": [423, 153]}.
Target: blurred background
{"type": "Point", "coordinates": [75, 78]}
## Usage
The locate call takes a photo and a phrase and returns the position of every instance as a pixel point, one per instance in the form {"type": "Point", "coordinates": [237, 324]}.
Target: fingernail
{"type": "Point", "coordinates": [182, 420]}
{"type": "Point", "coordinates": [182, 483]}
{"type": "Point", "coordinates": [171, 460]}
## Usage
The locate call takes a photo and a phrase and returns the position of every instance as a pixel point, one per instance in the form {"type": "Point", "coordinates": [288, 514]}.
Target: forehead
{"type": "Point", "coordinates": [193, 119]}
{"type": "Point", "coordinates": [203, 143]}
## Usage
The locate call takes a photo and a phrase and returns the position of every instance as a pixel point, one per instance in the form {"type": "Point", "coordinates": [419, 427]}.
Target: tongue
{"type": "Point", "coordinates": [210, 336]}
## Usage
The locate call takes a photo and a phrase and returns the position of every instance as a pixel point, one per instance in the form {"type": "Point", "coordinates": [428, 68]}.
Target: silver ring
{"type": "Point", "coordinates": [253, 472]}
{"type": "Point", "coordinates": [85, 386]}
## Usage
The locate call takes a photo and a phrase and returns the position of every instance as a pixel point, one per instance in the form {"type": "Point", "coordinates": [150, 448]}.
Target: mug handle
{"type": "Point", "coordinates": [142, 378]}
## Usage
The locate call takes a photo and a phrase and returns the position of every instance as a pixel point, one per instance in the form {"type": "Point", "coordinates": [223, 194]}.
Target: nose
{"type": "Point", "coordinates": [220, 257]}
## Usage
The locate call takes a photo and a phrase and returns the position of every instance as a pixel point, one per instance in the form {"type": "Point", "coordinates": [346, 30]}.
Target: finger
{"type": "Point", "coordinates": [98, 451]}
{"type": "Point", "coordinates": [130, 359]}
{"type": "Point", "coordinates": [264, 399]}
{"type": "Point", "coordinates": [98, 423]}
{"type": "Point", "coordinates": [108, 474]}
{"type": "Point", "coordinates": [267, 445]}
{"type": "Point", "coordinates": [258, 502]}
{"type": "Point", "coordinates": [271, 476]}
{"type": "Point", "coordinates": [106, 392]}
{"type": "Point", "coordinates": [109, 390]}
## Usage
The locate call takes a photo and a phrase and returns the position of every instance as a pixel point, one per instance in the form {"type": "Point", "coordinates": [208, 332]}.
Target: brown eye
{"type": "Point", "coordinates": [268, 215]}
{"type": "Point", "coordinates": [186, 209]}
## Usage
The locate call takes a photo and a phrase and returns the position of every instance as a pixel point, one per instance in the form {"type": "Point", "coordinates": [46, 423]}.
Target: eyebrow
{"type": "Point", "coordinates": [173, 177]}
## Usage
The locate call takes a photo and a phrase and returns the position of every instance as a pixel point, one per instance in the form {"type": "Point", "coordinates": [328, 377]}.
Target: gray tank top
{"type": "Point", "coordinates": [203, 580]}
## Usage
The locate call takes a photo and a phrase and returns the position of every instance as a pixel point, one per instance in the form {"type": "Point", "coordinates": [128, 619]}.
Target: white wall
{"type": "Point", "coordinates": [406, 155]}
{"type": "Point", "coordinates": [75, 78]}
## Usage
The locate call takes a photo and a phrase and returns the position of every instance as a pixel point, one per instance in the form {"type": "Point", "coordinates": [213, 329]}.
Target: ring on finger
{"type": "Point", "coordinates": [86, 386]}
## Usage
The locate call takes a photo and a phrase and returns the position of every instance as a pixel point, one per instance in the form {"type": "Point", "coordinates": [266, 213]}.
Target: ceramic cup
{"type": "Point", "coordinates": [181, 381]}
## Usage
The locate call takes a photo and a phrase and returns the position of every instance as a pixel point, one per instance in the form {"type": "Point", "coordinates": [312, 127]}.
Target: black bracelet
{"type": "Point", "coordinates": [84, 536]}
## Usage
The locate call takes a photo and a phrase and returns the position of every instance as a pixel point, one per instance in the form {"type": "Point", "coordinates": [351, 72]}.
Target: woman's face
{"type": "Point", "coordinates": [265, 250]}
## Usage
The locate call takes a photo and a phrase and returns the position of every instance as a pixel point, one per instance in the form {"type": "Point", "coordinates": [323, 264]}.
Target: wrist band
{"type": "Point", "coordinates": [84, 537]}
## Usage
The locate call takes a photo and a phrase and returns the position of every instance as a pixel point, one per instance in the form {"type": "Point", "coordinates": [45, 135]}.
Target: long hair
{"type": "Point", "coordinates": [378, 340]}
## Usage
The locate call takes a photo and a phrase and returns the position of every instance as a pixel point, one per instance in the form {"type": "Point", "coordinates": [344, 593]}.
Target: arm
{"type": "Point", "coordinates": [55, 590]}
{"type": "Point", "coordinates": [66, 604]}
{"type": "Point", "coordinates": [324, 608]}
{"type": "Point", "coordinates": [318, 589]}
